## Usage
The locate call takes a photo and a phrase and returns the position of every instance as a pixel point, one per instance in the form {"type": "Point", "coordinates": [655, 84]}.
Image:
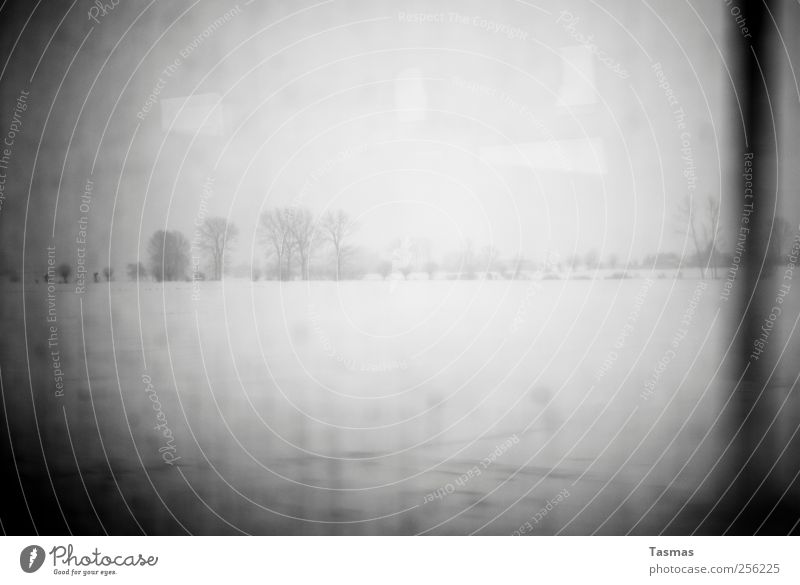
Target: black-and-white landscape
{"type": "Point", "coordinates": [380, 268]}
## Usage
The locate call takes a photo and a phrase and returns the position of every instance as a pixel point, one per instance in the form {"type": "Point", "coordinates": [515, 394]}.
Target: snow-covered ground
{"type": "Point", "coordinates": [377, 407]}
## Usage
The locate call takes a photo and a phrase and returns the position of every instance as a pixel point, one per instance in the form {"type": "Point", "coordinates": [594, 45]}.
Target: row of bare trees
{"type": "Point", "coordinates": [293, 236]}
{"type": "Point", "coordinates": [170, 253]}
{"type": "Point", "coordinates": [64, 271]}
{"type": "Point", "coordinates": [297, 241]}
{"type": "Point", "coordinates": [699, 219]}
{"type": "Point", "coordinates": [216, 237]}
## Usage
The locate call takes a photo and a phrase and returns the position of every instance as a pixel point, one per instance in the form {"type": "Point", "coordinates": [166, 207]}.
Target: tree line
{"type": "Point", "coordinates": [291, 238]}
{"type": "Point", "coordinates": [172, 256]}
{"type": "Point", "coordinates": [712, 241]}
{"type": "Point", "coordinates": [299, 245]}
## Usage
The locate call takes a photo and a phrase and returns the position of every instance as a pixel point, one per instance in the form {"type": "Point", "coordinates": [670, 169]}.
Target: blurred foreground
{"type": "Point", "coordinates": [571, 407]}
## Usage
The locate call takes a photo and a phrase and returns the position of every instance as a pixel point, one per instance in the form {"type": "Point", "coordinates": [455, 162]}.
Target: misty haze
{"type": "Point", "coordinates": [373, 267]}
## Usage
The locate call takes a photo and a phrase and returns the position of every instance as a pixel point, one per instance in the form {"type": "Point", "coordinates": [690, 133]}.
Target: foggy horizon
{"type": "Point", "coordinates": [352, 267]}
{"type": "Point", "coordinates": [377, 132]}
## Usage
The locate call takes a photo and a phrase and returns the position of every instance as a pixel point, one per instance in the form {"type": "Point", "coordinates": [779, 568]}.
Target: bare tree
{"type": "Point", "coordinates": [423, 252]}
{"type": "Point", "coordinates": [217, 237]}
{"type": "Point", "coordinates": [713, 235]}
{"type": "Point", "coordinates": [336, 227]}
{"type": "Point", "coordinates": [64, 270]}
{"type": "Point", "coordinates": [303, 231]}
{"type": "Point", "coordinates": [403, 256]}
{"type": "Point", "coordinates": [591, 260]}
{"type": "Point", "coordinates": [698, 217]}
{"type": "Point", "coordinates": [518, 263]}
{"type": "Point", "coordinates": [431, 267]}
{"type": "Point", "coordinates": [780, 242]}
{"type": "Point", "coordinates": [411, 254]}
{"type": "Point", "coordinates": [276, 229]}
{"type": "Point", "coordinates": [385, 268]}
{"type": "Point", "coordinates": [573, 261]}
{"type": "Point", "coordinates": [488, 258]}
{"type": "Point", "coordinates": [467, 260]}
{"type": "Point", "coordinates": [136, 271]}
{"type": "Point", "coordinates": [169, 255]}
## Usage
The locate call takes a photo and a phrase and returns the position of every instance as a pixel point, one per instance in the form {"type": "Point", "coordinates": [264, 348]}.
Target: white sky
{"type": "Point", "coordinates": [447, 130]}
{"type": "Point", "coordinates": [519, 136]}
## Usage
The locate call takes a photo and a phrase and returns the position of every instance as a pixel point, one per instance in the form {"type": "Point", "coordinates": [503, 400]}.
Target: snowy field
{"type": "Point", "coordinates": [374, 407]}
